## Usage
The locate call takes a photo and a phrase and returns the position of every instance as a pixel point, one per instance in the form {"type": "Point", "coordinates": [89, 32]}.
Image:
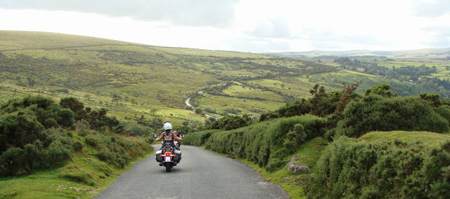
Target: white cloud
{"type": "Point", "coordinates": [247, 25]}
{"type": "Point", "coordinates": [180, 12]}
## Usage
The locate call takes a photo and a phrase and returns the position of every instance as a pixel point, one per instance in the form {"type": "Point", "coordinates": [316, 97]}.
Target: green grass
{"type": "Point", "coordinates": [248, 92]}
{"type": "Point", "coordinates": [298, 87]}
{"type": "Point", "coordinates": [247, 106]}
{"type": "Point", "coordinates": [428, 138]}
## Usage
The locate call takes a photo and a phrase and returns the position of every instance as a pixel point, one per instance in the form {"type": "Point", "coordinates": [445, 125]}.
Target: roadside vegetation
{"type": "Point", "coordinates": [64, 149]}
{"type": "Point", "coordinates": [358, 162]}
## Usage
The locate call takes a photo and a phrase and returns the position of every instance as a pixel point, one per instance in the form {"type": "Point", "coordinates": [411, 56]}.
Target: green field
{"type": "Point", "coordinates": [134, 80]}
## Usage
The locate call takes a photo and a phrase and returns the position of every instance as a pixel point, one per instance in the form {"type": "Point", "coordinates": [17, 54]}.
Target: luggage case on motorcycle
{"type": "Point", "coordinates": [158, 157]}
{"type": "Point", "coordinates": [178, 157]}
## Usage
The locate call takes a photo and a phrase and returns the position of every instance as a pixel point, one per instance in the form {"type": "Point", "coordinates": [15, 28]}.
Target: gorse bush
{"type": "Point", "coordinates": [53, 153]}
{"type": "Point", "coordinates": [116, 150]}
{"type": "Point", "coordinates": [321, 103]}
{"type": "Point", "coordinates": [229, 122]}
{"type": "Point", "coordinates": [376, 113]}
{"type": "Point", "coordinates": [59, 151]}
{"type": "Point", "coordinates": [18, 129]}
{"type": "Point", "coordinates": [266, 143]}
{"type": "Point", "coordinates": [32, 135]}
{"type": "Point", "coordinates": [139, 130]}
{"type": "Point", "coordinates": [351, 169]}
{"type": "Point", "coordinates": [198, 138]}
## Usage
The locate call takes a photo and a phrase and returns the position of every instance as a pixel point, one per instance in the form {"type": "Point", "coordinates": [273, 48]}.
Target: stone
{"type": "Point", "coordinates": [293, 168]}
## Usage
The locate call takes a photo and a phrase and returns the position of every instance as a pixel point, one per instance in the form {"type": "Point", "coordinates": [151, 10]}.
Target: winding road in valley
{"type": "Point", "coordinates": [200, 175]}
{"type": "Point", "coordinates": [187, 102]}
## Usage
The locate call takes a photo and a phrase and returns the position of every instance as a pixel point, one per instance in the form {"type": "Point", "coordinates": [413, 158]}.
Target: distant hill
{"type": "Point", "coordinates": [420, 54]}
{"type": "Point", "coordinates": [135, 80]}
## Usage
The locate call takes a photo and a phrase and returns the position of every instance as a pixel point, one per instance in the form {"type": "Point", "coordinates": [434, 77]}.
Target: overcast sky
{"type": "Point", "coordinates": [242, 25]}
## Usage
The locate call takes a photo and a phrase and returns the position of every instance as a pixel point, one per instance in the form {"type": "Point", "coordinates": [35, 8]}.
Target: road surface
{"type": "Point", "coordinates": [200, 175]}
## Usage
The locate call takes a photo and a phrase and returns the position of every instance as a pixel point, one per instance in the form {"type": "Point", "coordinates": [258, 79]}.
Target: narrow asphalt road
{"type": "Point", "coordinates": [200, 175]}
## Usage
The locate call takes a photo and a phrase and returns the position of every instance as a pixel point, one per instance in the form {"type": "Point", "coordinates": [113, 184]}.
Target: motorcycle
{"type": "Point", "coordinates": [168, 156]}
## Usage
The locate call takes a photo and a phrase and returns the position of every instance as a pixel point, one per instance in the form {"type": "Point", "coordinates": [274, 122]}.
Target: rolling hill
{"type": "Point", "coordinates": [134, 80]}
{"type": "Point", "coordinates": [419, 54]}
{"type": "Point", "coordinates": [138, 81]}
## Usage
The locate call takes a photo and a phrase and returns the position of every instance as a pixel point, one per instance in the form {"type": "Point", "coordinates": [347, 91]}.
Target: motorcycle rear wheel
{"type": "Point", "coordinates": [168, 167]}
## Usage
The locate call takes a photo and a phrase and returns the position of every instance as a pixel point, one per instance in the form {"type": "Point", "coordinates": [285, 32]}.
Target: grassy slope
{"type": "Point", "coordinates": [428, 138]}
{"type": "Point", "coordinates": [13, 40]}
{"type": "Point", "coordinates": [84, 176]}
{"type": "Point", "coordinates": [132, 79]}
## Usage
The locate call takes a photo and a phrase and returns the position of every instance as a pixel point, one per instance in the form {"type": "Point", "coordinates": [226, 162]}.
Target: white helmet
{"type": "Point", "coordinates": [167, 126]}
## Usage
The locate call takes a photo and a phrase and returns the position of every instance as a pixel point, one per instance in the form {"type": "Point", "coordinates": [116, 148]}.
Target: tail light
{"type": "Point", "coordinates": [167, 153]}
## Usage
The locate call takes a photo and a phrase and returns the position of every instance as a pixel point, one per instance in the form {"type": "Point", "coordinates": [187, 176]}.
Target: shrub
{"type": "Point", "coordinates": [59, 152]}
{"type": "Point", "coordinates": [82, 127]}
{"type": "Point", "coordinates": [107, 156]}
{"type": "Point", "coordinates": [35, 156]}
{"type": "Point", "coordinates": [41, 102]}
{"type": "Point", "coordinates": [139, 130]}
{"type": "Point", "coordinates": [380, 170]}
{"type": "Point", "coordinates": [72, 104]}
{"type": "Point", "coordinates": [12, 161]}
{"type": "Point", "coordinates": [18, 130]}
{"type": "Point", "coordinates": [444, 111]}
{"type": "Point", "coordinates": [66, 117]}
{"type": "Point", "coordinates": [230, 122]}
{"type": "Point", "coordinates": [50, 123]}
{"type": "Point", "coordinates": [94, 141]}
{"type": "Point", "coordinates": [375, 113]}
{"type": "Point", "coordinates": [197, 138]}
{"type": "Point", "coordinates": [274, 164]}
{"type": "Point", "coordinates": [78, 146]}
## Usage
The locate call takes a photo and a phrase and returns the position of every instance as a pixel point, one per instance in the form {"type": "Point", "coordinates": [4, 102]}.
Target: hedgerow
{"type": "Point", "coordinates": [351, 169]}
{"type": "Point", "coordinates": [266, 143]}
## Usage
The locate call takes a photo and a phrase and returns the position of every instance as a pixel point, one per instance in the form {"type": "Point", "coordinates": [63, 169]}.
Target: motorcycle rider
{"type": "Point", "coordinates": [168, 135]}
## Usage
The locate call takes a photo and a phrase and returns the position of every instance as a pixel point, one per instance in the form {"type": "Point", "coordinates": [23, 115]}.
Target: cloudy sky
{"type": "Point", "coordinates": [242, 25]}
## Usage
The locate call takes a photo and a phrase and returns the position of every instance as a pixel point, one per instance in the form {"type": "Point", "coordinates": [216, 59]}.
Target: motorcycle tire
{"type": "Point", "coordinates": [169, 168]}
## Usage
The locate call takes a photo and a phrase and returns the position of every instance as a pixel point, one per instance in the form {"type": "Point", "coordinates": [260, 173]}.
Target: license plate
{"type": "Point", "coordinates": [167, 159]}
